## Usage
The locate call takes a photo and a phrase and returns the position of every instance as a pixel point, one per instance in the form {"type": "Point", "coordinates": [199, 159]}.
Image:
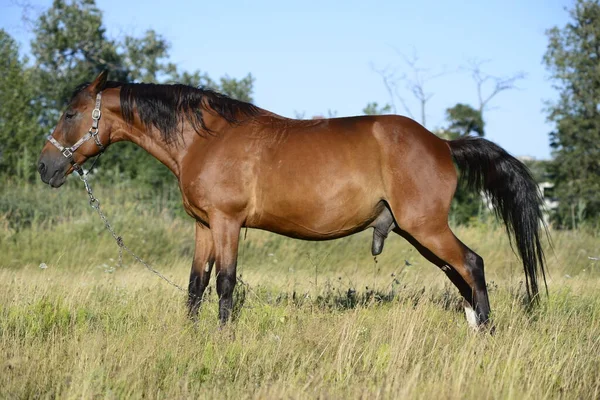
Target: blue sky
{"type": "Point", "coordinates": [311, 57]}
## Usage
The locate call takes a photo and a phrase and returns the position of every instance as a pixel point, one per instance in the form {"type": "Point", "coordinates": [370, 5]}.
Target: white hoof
{"type": "Point", "coordinates": [471, 317]}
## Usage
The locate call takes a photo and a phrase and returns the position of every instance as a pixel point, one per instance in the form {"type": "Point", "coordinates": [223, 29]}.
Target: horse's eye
{"type": "Point", "coordinates": [69, 114]}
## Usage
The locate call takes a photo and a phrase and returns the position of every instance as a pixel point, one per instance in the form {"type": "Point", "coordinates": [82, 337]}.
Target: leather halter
{"type": "Point", "coordinates": [92, 133]}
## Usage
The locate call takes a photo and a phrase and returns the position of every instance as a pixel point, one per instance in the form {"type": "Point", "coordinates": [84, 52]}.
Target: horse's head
{"type": "Point", "coordinates": [76, 137]}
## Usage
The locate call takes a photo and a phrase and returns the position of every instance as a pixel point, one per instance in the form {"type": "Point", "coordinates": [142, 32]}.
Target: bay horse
{"type": "Point", "coordinates": [241, 166]}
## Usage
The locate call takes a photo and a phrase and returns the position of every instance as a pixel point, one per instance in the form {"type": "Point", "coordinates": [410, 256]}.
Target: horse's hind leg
{"type": "Point", "coordinates": [419, 191]}
{"type": "Point", "coordinates": [204, 259]}
{"type": "Point", "coordinates": [462, 265]}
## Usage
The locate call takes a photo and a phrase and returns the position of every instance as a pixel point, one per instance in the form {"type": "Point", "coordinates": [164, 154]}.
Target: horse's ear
{"type": "Point", "coordinates": [99, 83]}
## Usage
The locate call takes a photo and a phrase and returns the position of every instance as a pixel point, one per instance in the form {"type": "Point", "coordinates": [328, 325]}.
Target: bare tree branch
{"type": "Point", "coordinates": [29, 13]}
{"type": "Point", "coordinates": [499, 84]}
{"type": "Point", "coordinates": [415, 84]}
{"type": "Point", "coordinates": [421, 76]}
{"type": "Point", "coordinates": [390, 81]}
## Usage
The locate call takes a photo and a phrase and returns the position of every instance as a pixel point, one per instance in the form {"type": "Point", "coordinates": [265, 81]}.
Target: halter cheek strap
{"type": "Point", "coordinates": [92, 133]}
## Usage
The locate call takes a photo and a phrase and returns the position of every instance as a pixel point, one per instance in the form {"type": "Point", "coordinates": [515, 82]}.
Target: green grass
{"type": "Point", "coordinates": [86, 328]}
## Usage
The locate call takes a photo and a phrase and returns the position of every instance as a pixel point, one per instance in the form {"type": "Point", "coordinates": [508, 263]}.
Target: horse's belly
{"type": "Point", "coordinates": [305, 229]}
{"type": "Point", "coordinates": [326, 214]}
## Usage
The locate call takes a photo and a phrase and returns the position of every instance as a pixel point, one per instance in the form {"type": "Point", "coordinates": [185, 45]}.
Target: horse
{"type": "Point", "coordinates": [240, 166]}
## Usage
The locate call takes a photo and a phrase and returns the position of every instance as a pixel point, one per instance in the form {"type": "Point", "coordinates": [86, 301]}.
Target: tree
{"type": "Point", "coordinates": [146, 58]}
{"type": "Point", "coordinates": [464, 120]}
{"type": "Point", "coordinates": [539, 169]}
{"type": "Point", "coordinates": [467, 206]}
{"type": "Point", "coordinates": [70, 47]}
{"type": "Point", "coordinates": [195, 79]}
{"type": "Point", "coordinates": [20, 132]}
{"type": "Point", "coordinates": [375, 109]}
{"type": "Point", "coordinates": [572, 58]}
{"type": "Point", "coordinates": [240, 89]}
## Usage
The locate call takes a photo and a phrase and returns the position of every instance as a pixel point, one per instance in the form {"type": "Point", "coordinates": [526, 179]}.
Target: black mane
{"type": "Point", "coordinates": [165, 107]}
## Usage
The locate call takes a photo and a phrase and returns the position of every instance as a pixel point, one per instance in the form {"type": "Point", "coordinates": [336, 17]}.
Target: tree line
{"type": "Point", "coordinates": [70, 45]}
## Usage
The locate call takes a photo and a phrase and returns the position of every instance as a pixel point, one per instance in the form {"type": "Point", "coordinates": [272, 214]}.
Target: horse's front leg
{"type": "Point", "coordinates": [226, 235]}
{"type": "Point", "coordinates": [204, 258]}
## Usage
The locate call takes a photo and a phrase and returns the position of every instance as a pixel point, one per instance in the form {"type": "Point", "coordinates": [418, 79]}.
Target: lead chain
{"type": "Point", "coordinates": [95, 204]}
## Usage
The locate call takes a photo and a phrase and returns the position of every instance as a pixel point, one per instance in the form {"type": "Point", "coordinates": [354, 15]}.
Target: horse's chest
{"type": "Point", "coordinates": [227, 196]}
{"type": "Point", "coordinates": [195, 203]}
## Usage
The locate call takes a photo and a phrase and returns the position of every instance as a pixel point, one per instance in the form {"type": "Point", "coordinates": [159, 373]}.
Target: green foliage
{"type": "Point", "coordinates": [373, 108]}
{"type": "Point", "coordinates": [572, 58]}
{"type": "Point", "coordinates": [238, 89]}
{"type": "Point", "coordinates": [20, 131]}
{"type": "Point", "coordinates": [195, 79]}
{"type": "Point", "coordinates": [464, 120]}
{"type": "Point", "coordinates": [70, 47]}
{"type": "Point", "coordinates": [467, 206]}
{"type": "Point", "coordinates": [540, 169]}
{"type": "Point", "coordinates": [146, 57]}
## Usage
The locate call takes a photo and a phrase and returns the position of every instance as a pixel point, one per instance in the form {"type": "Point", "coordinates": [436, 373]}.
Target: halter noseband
{"type": "Point", "coordinates": [91, 134]}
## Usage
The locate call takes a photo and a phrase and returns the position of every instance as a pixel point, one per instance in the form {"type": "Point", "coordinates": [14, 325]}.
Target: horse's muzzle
{"type": "Point", "coordinates": [53, 172]}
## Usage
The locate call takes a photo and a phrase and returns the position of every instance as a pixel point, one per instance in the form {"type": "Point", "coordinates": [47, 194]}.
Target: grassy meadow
{"type": "Point", "coordinates": [313, 320]}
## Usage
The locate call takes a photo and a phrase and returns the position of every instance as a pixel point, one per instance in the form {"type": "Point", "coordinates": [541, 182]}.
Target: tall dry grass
{"type": "Point", "coordinates": [313, 319]}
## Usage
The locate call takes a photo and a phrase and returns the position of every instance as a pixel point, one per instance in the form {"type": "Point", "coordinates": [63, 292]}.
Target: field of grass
{"type": "Point", "coordinates": [313, 320]}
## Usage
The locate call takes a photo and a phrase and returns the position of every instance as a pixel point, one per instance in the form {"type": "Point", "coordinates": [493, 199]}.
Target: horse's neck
{"type": "Point", "coordinates": [170, 154]}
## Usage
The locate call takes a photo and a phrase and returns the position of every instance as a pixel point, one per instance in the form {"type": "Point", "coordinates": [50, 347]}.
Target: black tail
{"type": "Point", "coordinates": [514, 194]}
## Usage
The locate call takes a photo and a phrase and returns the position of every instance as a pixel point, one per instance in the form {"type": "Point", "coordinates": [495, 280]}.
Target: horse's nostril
{"type": "Point", "coordinates": [41, 167]}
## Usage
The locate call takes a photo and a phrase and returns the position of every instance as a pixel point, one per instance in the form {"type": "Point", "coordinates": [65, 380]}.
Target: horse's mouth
{"type": "Point", "coordinates": [57, 179]}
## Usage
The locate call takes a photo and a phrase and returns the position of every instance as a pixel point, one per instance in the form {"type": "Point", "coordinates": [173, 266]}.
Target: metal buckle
{"type": "Point", "coordinates": [96, 113]}
{"type": "Point", "coordinates": [67, 153]}
{"type": "Point", "coordinates": [97, 140]}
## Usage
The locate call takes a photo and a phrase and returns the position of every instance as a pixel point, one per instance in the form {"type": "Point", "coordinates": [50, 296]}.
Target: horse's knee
{"type": "Point", "coordinates": [225, 284]}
